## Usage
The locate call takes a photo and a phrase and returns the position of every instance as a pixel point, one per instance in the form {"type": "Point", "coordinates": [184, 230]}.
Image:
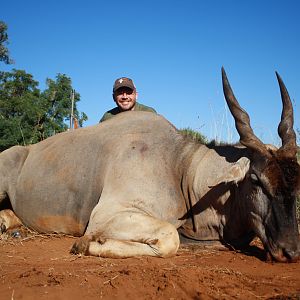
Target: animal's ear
{"type": "Point", "coordinates": [235, 173]}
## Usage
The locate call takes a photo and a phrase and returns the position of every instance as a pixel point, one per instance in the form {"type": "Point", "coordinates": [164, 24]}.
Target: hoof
{"type": "Point", "coordinates": [2, 228]}
{"type": "Point", "coordinates": [99, 240]}
{"type": "Point", "coordinates": [81, 246]}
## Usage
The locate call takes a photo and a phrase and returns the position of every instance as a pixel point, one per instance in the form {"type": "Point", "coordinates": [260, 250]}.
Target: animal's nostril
{"type": "Point", "coordinates": [288, 254]}
{"type": "Point", "coordinates": [292, 255]}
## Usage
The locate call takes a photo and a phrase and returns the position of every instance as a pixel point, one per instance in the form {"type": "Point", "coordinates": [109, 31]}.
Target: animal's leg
{"type": "Point", "coordinates": [130, 234]}
{"type": "Point", "coordinates": [8, 220]}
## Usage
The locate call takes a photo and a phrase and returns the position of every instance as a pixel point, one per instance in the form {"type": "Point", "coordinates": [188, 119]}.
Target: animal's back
{"type": "Point", "coordinates": [64, 176]}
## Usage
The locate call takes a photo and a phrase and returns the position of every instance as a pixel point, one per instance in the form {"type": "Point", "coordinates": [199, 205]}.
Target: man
{"type": "Point", "coordinates": [125, 96]}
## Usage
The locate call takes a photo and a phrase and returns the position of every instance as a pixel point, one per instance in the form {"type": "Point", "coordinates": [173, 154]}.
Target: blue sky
{"type": "Point", "coordinates": [173, 50]}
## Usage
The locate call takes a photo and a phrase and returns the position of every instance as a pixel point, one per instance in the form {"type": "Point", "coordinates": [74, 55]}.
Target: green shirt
{"type": "Point", "coordinates": [138, 107]}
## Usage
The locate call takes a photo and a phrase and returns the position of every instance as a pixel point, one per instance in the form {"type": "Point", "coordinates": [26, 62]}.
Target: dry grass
{"type": "Point", "coordinates": [298, 198]}
{"type": "Point", "coordinates": [25, 234]}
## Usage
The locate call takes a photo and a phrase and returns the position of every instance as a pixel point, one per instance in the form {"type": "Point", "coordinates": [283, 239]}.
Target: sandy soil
{"type": "Point", "coordinates": [40, 267]}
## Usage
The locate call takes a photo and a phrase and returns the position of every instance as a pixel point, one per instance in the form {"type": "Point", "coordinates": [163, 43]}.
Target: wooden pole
{"type": "Point", "coordinates": [72, 109]}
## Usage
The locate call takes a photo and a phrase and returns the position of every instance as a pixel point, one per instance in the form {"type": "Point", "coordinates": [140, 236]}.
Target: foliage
{"type": "Point", "coordinates": [4, 53]}
{"type": "Point", "coordinates": [28, 115]}
{"type": "Point", "coordinates": [194, 135]}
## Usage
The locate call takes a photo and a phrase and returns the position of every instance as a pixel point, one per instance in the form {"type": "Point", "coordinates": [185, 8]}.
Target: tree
{"type": "Point", "coordinates": [27, 115]}
{"type": "Point", "coordinates": [58, 104]}
{"type": "Point", "coordinates": [19, 109]}
{"type": "Point", "coordinates": [4, 53]}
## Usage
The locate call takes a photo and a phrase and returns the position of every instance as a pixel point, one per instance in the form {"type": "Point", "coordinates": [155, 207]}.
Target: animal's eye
{"type": "Point", "coordinates": [256, 181]}
{"type": "Point", "coordinates": [254, 178]}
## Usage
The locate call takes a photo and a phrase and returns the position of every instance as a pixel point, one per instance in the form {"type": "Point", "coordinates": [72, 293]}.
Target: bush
{"type": "Point", "coordinates": [194, 135]}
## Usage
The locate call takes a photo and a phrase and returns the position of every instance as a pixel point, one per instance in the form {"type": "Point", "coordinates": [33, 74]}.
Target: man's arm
{"type": "Point", "coordinates": [104, 117]}
{"type": "Point", "coordinates": [109, 114]}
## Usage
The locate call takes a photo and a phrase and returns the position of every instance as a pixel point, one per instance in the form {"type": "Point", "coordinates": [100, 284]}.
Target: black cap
{"type": "Point", "coordinates": [123, 82]}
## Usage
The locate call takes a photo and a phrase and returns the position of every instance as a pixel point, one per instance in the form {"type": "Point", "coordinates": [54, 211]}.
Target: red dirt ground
{"type": "Point", "coordinates": [40, 267]}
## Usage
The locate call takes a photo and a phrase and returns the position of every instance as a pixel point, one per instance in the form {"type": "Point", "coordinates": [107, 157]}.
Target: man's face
{"type": "Point", "coordinates": [125, 98]}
